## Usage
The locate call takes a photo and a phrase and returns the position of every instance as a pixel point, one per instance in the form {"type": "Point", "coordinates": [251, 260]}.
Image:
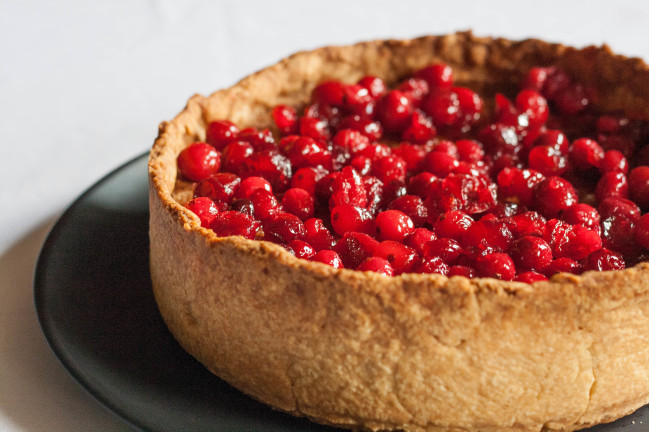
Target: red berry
{"type": "Point", "coordinates": [582, 214]}
{"type": "Point", "coordinates": [469, 150]}
{"type": "Point", "coordinates": [285, 117]}
{"type": "Point", "coordinates": [204, 208]}
{"type": "Point", "coordinates": [440, 163]}
{"type": "Point", "coordinates": [298, 202]}
{"type": "Point", "coordinates": [531, 253]}
{"type": "Point", "coordinates": [553, 138]}
{"type": "Point", "coordinates": [375, 85]}
{"type": "Point", "coordinates": [617, 235]}
{"type": "Point", "coordinates": [582, 242]}
{"type": "Point", "coordinates": [496, 265]}
{"type": "Point", "coordinates": [563, 265]}
{"type": "Point", "coordinates": [459, 270]}
{"type": "Point", "coordinates": [393, 225]}
{"type": "Point", "coordinates": [270, 165]}
{"type": "Point", "coordinates": [377, 265]}
{"type": "Point", "coordinates": [413, 206]}
{"type": "Point", "coordinates": [329, 93]}
{"type": "Point", "coordinates": [317, 235]}
{"type": "Point", "coordinates": [231, 223]}
{"type": "Point", "coordinates": [249, 185]}
{"type": "Point", "coordinates": [301, 249]}
{"type": "Point", "coordinates": [348, 188]}
{"type": "Point", "coordinates": [553, 195]}
{"type": "Point", "coordinates": [393, 110]}
{"type": "Point", "coordinates": [447, 249]}
{"type": "Point", "coordinates": [586, 154]}
{"type": "Point", "coordinates": [488, 233]}
{"type": "Point", "coordinates": [283, 228]}
{"type": "Point", "coordinates": [519, 183]}
{"type": "Point", "coordinates": [401, 257]}
{"type": "Point", "coordinates": [547, 160]}
{"type": "Point", "coordinates": [348, 217]}
{"type": "Point", "coordinates": [264, 203]}
{"type": "Point", "coordinates": [307, 178]}
{"type": "Point", "coordinates": [641, 231]}
{"type": "Point", "coordinates": [432, 265]}
{"type": "Point", "coordinates": [528, 223]}
{"type": "Point", "coordinates": [418, 238]}
{"type": "Point", "coordinates": [199, 161]}
{"type": "Point", "coordinates": [389, 168]}
{"type": "Point", "coordinates": [612, 184]}
{"type": "Point", "coordinates": [328, 257]}
{"type": "Point", "coordinates": [234, 154]}
{"type": "Point", "coordinates": [639, 186]}
{"type": "Point", "coordinates": [220, 133]}
{"type": "Point", "coordinates": [603, 260]}
{"type": "Point", "coordinates": [419, 128]}
{"type": "Point", "coordinates": [221, 187]}
{"type": "Point", "coordinates": [453, 224]}
{"type": "Point", "coordinates": [261, 140]}
{"type": "Point", "coordinates": [616, 206]}
{"type": "Point", "coordinates": [354, 248]}
{"type": "Point", "coordinates": [534, 106]}
{"type": "Point", "coordinates": [530, 277]}
{"type": "Point", "coordinates": [614, 161]}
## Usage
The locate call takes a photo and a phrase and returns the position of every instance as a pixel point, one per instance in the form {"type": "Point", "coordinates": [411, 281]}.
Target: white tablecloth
{"type": "Point", "coordinates": [84, 84]}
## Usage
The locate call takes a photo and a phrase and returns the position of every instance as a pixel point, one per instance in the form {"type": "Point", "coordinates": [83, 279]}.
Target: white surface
{"type": "Point", "coordinates": [83, 86]}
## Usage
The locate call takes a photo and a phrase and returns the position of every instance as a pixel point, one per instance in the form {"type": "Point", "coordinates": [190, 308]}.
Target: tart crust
{"type": "Point", "coordinates": [413, 352]}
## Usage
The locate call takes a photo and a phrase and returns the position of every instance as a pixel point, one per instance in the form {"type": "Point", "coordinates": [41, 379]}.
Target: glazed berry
{"type": "Point", "coordinates": [298, 202]}
{"type": "Point", "coordinates": [261, 140]}
{"type": "Point", "coordinates": [348, 188]}
{"type": "Point", "coordinates": [530, 277]}
{"type": "Point", "coordinates": [243, 206]}
{"type": "Point", "coordinates": [377, 265]}
{"type": "Point", "coordinates": [368, 127]}
{"type": "Point", "coordinates": [583, 214]}
{"type": "Point", "coordinates": [234, 154]}
{"type": "Point", "coordinates": [534, 106]}
{"type": "Point", "coordinates": [204, 208]}
{"type": "Point", "coordinates": [553, 195]}
{"type": "Point", "coordinates": [317, 235]}
{"type": "Point", "coordinates": [460, 270]}
{"type": "Point", "coordinates": [547, 160]}
{"type": "Point", "coordinates": [307, 152]}
{"type": "Point", "coordinates": [328, 257]}
{"type": "Point", "coordinates": [440, 163]}
{"type": "Point", "coordinates": [348, 217]}
{"type": "Point", "coordinates": [422, 184]}
{"type": "Point", "coordinates": [639, 186]}
{"type": "Point", "coordinates": [469, 150]}
{"type": "Point", "coordinates": [612, 184]}
{"type": "Point", "coordinates": [220, 133]}
{"type": "Point", "coordinates": [393, 225]}
{"type": "Point", "coordinates": [358, 100]}
{"type": "Point", "coordinates": [307, 178]}
{"type": "Point", "coordinates": [458, 107]}
{"type": "Point", "coordinates": [519, 183]}
{"type": "Point", "coordinates": [438, 76]}
{"type": "Point", "coordinates": [616, 206]}
{"type": "Point", "coordinates": [614, 161]}
{"type": "Point", "coordinates": [270, 165]}
{"type": "Point", "coordinates": [419, 128]}
{"type": "Point", "coordinates": [603, 260]}
{"type": "Point", "coordinates": [496, 265]}
{"type": "Point", "coordinates": [528, 223]}
{"type": "Point", "coordinates": [572, 100]}
{"type": "Point", "coordinates": [641, 231]}
{"type": "Point", "coordinates": [447, 249]}
{"type": "Point", "coordinates": [285, 117]}
{"type": "Point", "coordinates": [354, 248]}
{"type": "Point", "coordinates": [418, 239]}
{"type": "Point", "coordinates": [531, 253]}
{"type": "Point", "coordinates": [432, 265]}
{"type": "Point", "coordinates": [199, 161]}
{"type": "Point", "coordinates": [413, 206]}
{"type": "Point", "coordinates": [553, 138]}
{"type": "Point", "coordinates": [563, 265]}
{"type": "Point", "coordinates": [586, 154]}
{"type": "Point", "coordinates": [221, 187]}
{"type": "Point", "coordinates": [582, 242]}
{"type": "Point", "coordinates": [393, 111]}
{"type": "Point", "coordinates": [301, 249]}
{"type": "Point", "coordinates": [329, 93]}
{"type": "Point", "coordinates": [389, 168]}
{"type": "Point", "coordinates": [617, 235]}
{"type": "Point", "coordinates": [249, 185]}
{"type": "Point", "coordinates": [488, 233]}
{"type": "Point", "coordinates": [401, 257]}
{"type": "Point", "coordinates": [376, 86]}
{"type": "Point", "coordinates": [264, 203]}
{"type": "Point", "coordinates": [453, 224]}
{"type": "Point", "coordinates": [231, 223]}
{"type": "Point", "coordinates": [283, 228]}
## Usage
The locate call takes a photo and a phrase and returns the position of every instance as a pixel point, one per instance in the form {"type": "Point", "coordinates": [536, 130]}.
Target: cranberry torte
{"type": "Point", "coordinates": [437, 234]}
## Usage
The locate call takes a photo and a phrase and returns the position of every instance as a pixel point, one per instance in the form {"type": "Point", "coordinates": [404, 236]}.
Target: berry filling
{"type": "Point", "coordinates": [427, 176]}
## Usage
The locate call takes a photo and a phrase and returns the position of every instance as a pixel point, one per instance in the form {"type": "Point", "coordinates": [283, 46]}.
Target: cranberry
{"type": "Point", "coordinates": [554, 138]}
{"type": "Point", "coordinates": [301, 249]}
{"type": "Point", "coordinates": [348, 217]}
{"type": "Point", "coordinates": [283, 228]}
{"type": "Point", "coordinates": [314, 128]}
{"type": "Point", "coordinates": [421, 184]}
{"type": "Point", "coordinates": [354, 248]}
{"type": "Point", "coordinates": [453, 224]}
{"type": "Point", "coordinates": [615, 206]}
{"type": "Point", "coordinates": [243, 206]}
{"type": "Point", "coordinates": [377, 265]}
{"type": "Point", "coordinates": [460, 270]}
{"type": "Point", "coordinates": [317, 235]}
{"type": "Point", "coordinates": [488, 233]}
{"type": "Point", "coordinates": [249, 185]}
{"type": "Point", "coordinates": [389, 168]}
{"type": "Point", "coordinates": [528, 223]}
{"type": "Point", "coordinates": [351, 140]}
{"type": "Point", "coordinates": [534, 106]}
{"type": "Point", "coordinates": [348, 188]}
{"type": "Point", "coordinates": [432, 265]}
{"type": "Point", "coordinates": [199, 161]}
{"type": "Point", "coordinates": [496, 265]}
{"type": "Point", "coordinates": [582, 242]}
{"type": "Point", "coordinates": [469, 150]}
{"type": "Point", "coordinates": [234, 154]}
{"type": "Point", "coordinates": [458, 107]}
{"type": "Point", "coordinates": [531, 253]}
{"type": "Point", "coordinates": [518, 183]}
{"type": "Point", "coordinates": [221, 187]}
{"type": "Point", "coordinates": [393, 110]}
{"type": "Point", "coordinates": [413, 206]}
{"type": "Point", "coordinates": [401, 257]}
{"type": "Point", "coordinates": [418, 238]}
{"type": "Point", "coordinates": [393, 225]}
{"type": "Point", "coordinates": [547, 160]}
{"type": "Point", "coordinates": [614, 161]}
{"type": "Point", "coordinates": [307, 178]}
{"type": "Point", "coordinates": [261, 140]}
{"type": "Point", "coordinates": [376, 86]}
{"type": "Point", "coordinates": [582, 214]}
{"type": "Point", "coordinates": [231, 223]}
{"type": "Point", "coordinates": [447, 249]}
{"type": "Point", "coordinates": [270, 165]}
{"type": "Point", "coordinates": [298, 202]}
{"type": "Point", "coordinates": [285, 118]}
{"type": "Point", "coordinates": [563, 265]}
{"type": "Point", "coordinates": [558, 234]}
{"type": "Point", "coordinates": [412, 154]}
{"type": "Point", "coordinates": [204, 208]}
{"type": "Point", "coordinates": [641, 231]}
{"type": "Point", "coordinates": [612, 184]}
{"type": "Point", "coordinates": [438, 76]}
{"type": "Point", "coordinates": [604, 259]}
{"type": "Point", "coordinates": [358, 100]}
{"type": "Point", "coordinates": [639, 186]}
{"type": "Point", "coordinates": [617, 235]}
{"type": "Point", "coordinates": [586, 154]}
{"type": "Point", "coordinates": [328, 257]}
{"type": "Point", "coordinates": [553, 195]}
{"type": "Point", "coordinates": [307, 152]}
{"type": "Point", "coordinates": [499, 139]}
{"type": "Point", "coordinates": [419, 128]}
{"type": "Point", "coordinates": [368, 127]}
{"type": "Point", "coordinates": [329, 93]}
{"type": "Point", "coordinates": [440, 163]}
{"type": "Point", "coordinates": [220, 133]}
{"type": "Point", "coordinates": [530, 277]}
{"type": "Point", "coordinates": [264, 203]}
{"type": "Point", "coordinates": [572, 100]}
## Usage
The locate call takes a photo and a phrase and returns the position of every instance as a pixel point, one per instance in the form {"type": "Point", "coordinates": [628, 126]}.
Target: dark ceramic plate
{"type": "Point", "coordinates": [94, 302]}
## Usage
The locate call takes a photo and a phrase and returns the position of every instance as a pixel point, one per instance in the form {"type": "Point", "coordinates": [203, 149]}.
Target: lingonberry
{"type": "Point", "coordinates": [552, 195]}
{"type": "Point", "coordinates": [283, 228]}
{"type": "Point", "coordinates": [301, 249]}
{"type": "Point", "coordinates": [496, 265]}
{"type": "Point", "coordinates": [204, 208]}
{"type": "Point", "coordinates": [298, 202]}
{"type": "Point", "coordinates": [447, 249]}
{"type": "Point", "coordinates": [418, 239]}
{"type": "Point", "coordinates": [232, 223]}
{"type": "Point", "coordinates": [401, 257]}
{"type": "Point", "coordinates": [431, 265]}
{"type": "Point", "coordinates": [220, 187]}
{"type": "Point", "coordinates": [354, 248]}
{"type": "Point", "coordinates": [220, 133]}
{"type": "Point", "coordinates": [318, 235]}
{"type": "Point", "coordinates": [377, 265]}
{"type": "Point", "coordinates": [393, 225]}
{"type": "Point", "coordinates": [603, 260]}
{"type": "Point", "coordinates": [531, 253]}
{"type": "Point", "coordinates": [328, 257]}
{"type": "Point", "coordinates": [199, 161]}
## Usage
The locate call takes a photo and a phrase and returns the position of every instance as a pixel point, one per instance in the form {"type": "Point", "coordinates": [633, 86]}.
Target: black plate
{"type": "Point", "coordinates": [94, 302]}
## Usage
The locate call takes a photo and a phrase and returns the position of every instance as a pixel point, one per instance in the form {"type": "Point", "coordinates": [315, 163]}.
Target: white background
{"type": "Point", "coordinates": [83, 86]}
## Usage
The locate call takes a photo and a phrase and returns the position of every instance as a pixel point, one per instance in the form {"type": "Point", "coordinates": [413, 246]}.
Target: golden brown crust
{"type": "Point", "coordinates": [414, 352]}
